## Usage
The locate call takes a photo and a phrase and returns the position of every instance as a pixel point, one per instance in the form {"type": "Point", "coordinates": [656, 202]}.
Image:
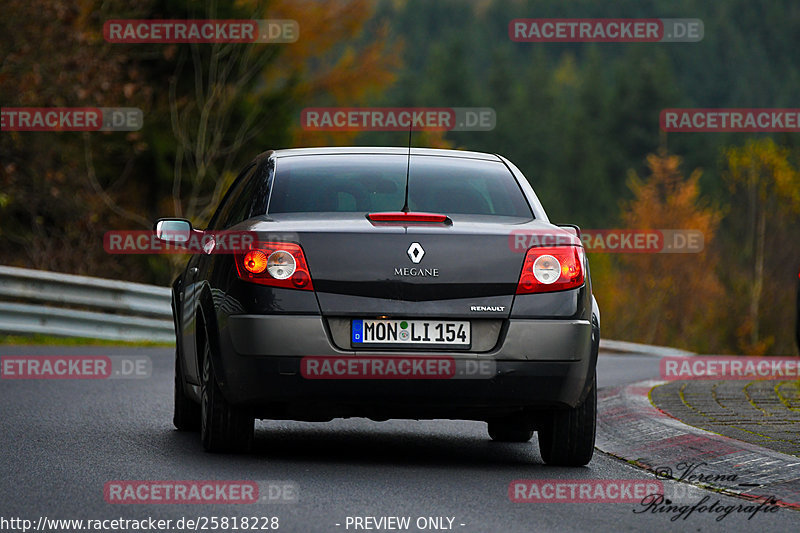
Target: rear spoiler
{"type": "Point", "coordinates": [572, 228]}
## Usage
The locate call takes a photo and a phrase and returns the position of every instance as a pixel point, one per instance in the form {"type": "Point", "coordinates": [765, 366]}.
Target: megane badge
{"type": "Point", "coordinates": [415, 252]}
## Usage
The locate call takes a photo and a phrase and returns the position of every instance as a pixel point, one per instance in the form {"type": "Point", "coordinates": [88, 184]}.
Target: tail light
{"type": "Point", "coordinates": [551, 268]}
{"type": "Point", "coordinates": [277, 264]}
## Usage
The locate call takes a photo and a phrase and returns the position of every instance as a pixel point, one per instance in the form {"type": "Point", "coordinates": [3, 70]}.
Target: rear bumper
{"type": "Point", "coordinates": [536, 365]}
{"type": "Point", "coordinates": [298, 335]}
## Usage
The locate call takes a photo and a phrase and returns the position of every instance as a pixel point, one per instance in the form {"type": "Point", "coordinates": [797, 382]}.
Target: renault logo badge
{"type": "Point", "coordinates": [415, 252]}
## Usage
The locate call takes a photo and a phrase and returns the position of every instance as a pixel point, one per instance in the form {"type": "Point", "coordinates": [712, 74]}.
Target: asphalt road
{"type": "Point", "coordinates": [62, 440]}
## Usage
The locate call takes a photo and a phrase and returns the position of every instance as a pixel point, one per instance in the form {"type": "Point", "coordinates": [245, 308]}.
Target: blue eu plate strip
{"type": "Point", "coordinates": [358, 331]}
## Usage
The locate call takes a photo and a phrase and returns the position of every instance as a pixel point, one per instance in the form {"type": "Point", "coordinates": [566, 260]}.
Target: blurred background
{"type": "Point", "coordinates": [581, 120]}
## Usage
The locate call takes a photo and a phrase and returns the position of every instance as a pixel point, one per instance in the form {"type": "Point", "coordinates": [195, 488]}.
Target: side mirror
{"type": "Point", "coordinates": [173, 230]}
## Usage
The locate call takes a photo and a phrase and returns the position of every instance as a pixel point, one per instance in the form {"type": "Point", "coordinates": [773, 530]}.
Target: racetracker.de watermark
{"type": "Point", "coordinates": [199, 491]}
{"type": "Point", "coordinates": [196, 242]}
{"type": "Point", "coordinates": [395, 367]}
{"type": "Point", "coordinates": [642, 241]}
{"type": "Point", "coordinates": [606, 30]}
{"type": "Point", "coordinates": [398, 118]}
{"type": "Point", "coordinates": [729, 367]}
{"type": "Point", "coordinates": [730, 120]}
{"type": "Point", "coordinates": [582, 490]}
{"type": "Point", "coordinates": [71, 119]}
{"type": "Point", "coordinates": [140, 31]}
{"type": "Point", "coordinates": [75, 367]}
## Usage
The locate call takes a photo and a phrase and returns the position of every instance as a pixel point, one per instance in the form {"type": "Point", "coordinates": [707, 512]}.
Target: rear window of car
{"type": "Point", "coordinates": [371, 183]}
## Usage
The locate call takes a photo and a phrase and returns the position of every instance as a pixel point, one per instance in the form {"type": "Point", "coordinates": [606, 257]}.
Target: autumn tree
{"type": "Point", "coordinates": [664, 298]}
{"type": "Point", "coordinates": [765, 191]}
{"type": "Point", "coordinates": [51, 213]}
{"type": "Point", "coordinates": [208, 109]}
{"type": "Point", "coordinates": [221, 111]}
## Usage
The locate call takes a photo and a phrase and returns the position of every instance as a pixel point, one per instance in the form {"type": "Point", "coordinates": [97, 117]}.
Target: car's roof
{"type": "Point", "coordinates": [383, 150]}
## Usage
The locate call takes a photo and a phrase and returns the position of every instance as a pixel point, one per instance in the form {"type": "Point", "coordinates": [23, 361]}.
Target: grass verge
{"type": "Point", "coordinates": [52, 340]}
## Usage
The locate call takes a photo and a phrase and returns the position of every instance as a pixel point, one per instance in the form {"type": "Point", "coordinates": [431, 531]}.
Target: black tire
{"type": "Point", "coordinates": [567, 438]}
{"type": "Point", "coordinates": [509, 430]}
{"type": "Point", "coordinates": [224, 428]}
{"type": "Point", "coordinates": [186, 414]}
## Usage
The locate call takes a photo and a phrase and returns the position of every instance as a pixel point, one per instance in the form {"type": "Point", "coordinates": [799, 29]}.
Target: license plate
{"type": "Point", "coordinates": [449, 332]}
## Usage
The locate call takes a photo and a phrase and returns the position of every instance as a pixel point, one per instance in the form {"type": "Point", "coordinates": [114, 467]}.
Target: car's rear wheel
{"type": "Point", "coordinates": [567, 437]}
{"type": "Point", "coordinates": [509, 430]}
{"type": "Point", "coordinates": [224, 428]}
{"type": "Point", "coordinates": [186, 414]}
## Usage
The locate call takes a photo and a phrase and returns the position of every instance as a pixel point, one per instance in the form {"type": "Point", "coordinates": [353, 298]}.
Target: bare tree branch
{"type": "Point", "coordinates": [98, 189]}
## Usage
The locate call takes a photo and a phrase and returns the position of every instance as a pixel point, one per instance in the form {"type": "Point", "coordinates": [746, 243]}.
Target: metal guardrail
{"type": "Point", "coordinates": [140, 312]}
{"type": "Point", "coordinates": [608, 345]}
{"type": "Point", "coordinates": [55, 303]}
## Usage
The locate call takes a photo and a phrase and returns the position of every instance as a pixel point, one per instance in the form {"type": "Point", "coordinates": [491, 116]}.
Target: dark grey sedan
{"type": "Point", "coordinates": [387, 283]}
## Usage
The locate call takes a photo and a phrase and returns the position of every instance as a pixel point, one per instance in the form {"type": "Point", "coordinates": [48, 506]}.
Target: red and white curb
{"type": "Point", "coordinates": [631, 428]}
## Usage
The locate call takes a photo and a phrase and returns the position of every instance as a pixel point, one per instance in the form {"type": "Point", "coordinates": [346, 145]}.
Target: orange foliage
{"type": "Point", "coordinates": [330, 67]}
{"type": "Point", "coordinates": [664, 298]}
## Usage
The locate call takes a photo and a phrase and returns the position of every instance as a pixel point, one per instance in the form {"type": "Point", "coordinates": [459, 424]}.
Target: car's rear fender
{"type": "Point", "coordinates": [207, 329]}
